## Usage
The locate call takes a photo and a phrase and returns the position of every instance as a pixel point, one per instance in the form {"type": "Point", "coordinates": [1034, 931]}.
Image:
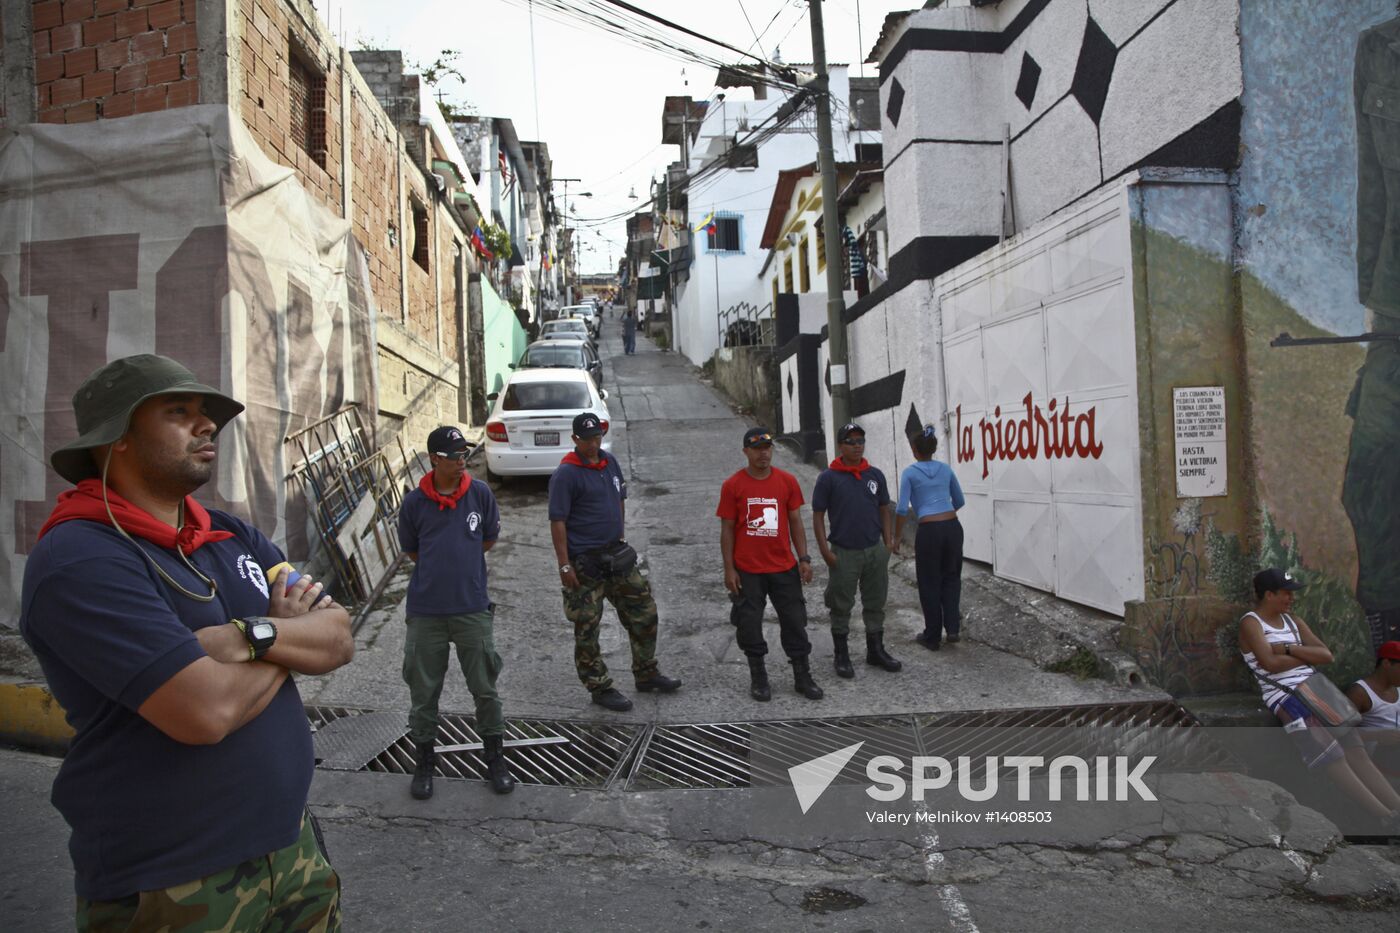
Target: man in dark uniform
{"type": "Point", "coordinates": [446, 526]}
{"type": "Point", "coordinates": [1371, 486]}
{"type": "Point", "coordinates": [857, 552]}
{"type": "Point", "coordinates": [171, 654]}
{"type": "Point", "coordinates": [587, 517]}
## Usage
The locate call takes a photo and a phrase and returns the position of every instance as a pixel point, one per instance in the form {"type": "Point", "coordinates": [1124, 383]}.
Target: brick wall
{"type": "Point", "coordinates": [113, 58]}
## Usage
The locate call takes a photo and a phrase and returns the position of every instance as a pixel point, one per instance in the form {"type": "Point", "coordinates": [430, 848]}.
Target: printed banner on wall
{"type": "Point", "coordinates": [170, 233]}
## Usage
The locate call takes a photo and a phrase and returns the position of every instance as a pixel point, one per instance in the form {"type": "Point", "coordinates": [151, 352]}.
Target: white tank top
{"type": "Point", "coordinates": [1286, 634]}
{"type": "Point", "coordinates": [1383, 714]}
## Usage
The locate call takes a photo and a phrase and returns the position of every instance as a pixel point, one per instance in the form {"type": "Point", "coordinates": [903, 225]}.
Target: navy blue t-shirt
{"type": "Point", "coordinates": [589, 503]}
{"type": "Point", "coordinates": [147, 811]}
{"type": "Point", "coordinates": [449, 577]}
{"type": "Point", "coordinates": [852, 506]}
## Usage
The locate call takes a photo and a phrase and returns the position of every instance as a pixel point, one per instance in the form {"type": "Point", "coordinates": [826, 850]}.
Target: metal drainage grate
{"type": "Point", "coordinates": [550, 752]}
{"type": "Point", "coordinates": [743, 753]}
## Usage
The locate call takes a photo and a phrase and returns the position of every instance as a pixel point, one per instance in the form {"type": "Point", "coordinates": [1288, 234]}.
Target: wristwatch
{"type": "Point", "coordinates": [565, 568]}
{"type": "Point", "coordinates": [260, 632]}
{"type": "Point", "coordinates": [805, 559]}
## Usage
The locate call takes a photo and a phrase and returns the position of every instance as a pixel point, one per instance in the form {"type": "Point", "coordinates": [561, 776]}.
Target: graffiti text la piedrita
{"type": "Point", "coordinates": [1058, 433]}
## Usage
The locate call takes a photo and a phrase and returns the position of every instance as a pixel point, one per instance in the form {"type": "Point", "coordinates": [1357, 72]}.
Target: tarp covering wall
{"type": "Point", "coordinates": [170, 233]}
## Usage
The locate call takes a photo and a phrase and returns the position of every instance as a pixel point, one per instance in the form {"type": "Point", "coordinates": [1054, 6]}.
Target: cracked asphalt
{"type": "Point", "coordinates": [1215, 851]}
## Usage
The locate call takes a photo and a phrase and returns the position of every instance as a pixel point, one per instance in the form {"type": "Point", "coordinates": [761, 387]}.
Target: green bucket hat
{"type": "Point", "coordinates": [104, 402]}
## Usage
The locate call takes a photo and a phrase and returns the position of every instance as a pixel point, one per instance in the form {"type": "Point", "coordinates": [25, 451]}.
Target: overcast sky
{"type": "Point", "coordinates": [599, 96]}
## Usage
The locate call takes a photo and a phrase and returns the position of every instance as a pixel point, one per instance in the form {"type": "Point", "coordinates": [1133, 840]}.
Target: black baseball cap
{"type": "Point", "coordinates": [758, 437]}
{"type": "Point", "coordinates": [588, 425]}
{"type": "Point", "coordinates": [446, 440]}
{"type": "Point", "coordinates": [1272, 579]}
{"type": "Point", "coordinates": [846, 430]}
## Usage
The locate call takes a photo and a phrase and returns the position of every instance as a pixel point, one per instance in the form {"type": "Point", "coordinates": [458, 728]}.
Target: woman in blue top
{"type": "Point", "coordinates": [931, 489]}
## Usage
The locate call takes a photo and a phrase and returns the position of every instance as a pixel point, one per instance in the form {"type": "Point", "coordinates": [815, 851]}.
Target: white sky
{"type": "Point", "coordinates": [600, 97]}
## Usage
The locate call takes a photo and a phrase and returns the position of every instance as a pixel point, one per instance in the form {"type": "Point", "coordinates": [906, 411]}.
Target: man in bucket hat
{"type": "Point", "coordinates": [186, 783]}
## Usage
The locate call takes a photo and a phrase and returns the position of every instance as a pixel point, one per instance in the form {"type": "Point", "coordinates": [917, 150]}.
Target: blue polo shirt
{"type": "Point", "coordinates": [589, 503]}
{"type": "Point", "coordinates": [146, 811]}
{"type": "Point", "coordinates": [449, 577]}
{"type": "Point", "coordinates": [852, 506]}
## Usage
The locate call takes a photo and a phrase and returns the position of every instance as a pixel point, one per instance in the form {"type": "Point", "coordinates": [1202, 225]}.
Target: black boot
{"type": "Point", "coordinates": [758, 681]}
{"type": "Point", "coordinates": [876, 654]}
{"type": "Point", "coordinates": [802, 680]}
{"type": "Point", "coordinates": [843, 657]}
{"type": "Point", "coordinates": [497, 772]}
{"type": "Point", "coordinates": [422, 786]}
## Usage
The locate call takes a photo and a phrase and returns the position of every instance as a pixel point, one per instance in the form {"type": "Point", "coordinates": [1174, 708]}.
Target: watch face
{"type": "Point", "coordinates": [263, 630]}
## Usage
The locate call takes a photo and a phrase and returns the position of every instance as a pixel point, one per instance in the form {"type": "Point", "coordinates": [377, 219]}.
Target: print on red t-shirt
{"type": "Point", "coordinates": [759, 509]}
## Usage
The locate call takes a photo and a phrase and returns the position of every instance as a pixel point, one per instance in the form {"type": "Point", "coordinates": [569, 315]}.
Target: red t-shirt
{"type": "Point", "coordinates": [759, 509]}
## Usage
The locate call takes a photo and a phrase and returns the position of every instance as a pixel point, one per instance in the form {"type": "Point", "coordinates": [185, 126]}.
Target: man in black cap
{"type": "Point", "coordinates": [857, 553]}
{"type": "Point", "coordinates": [171, 654]}
{"type": "Point", "coordinates": [446, 526]}
{"type": "Point", "coordinates": [760, 525]}
{"type": "Point", "coordinates": [587, 517]}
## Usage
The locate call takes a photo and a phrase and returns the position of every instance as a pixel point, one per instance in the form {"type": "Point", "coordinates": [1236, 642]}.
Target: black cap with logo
{"type": "Point", "coordinates": [846, 430]}
{"type": "Point", "coordinates": [1272, 579]}
{"type": "Point", "coordinates": [588, 425]}
{"type": "Point", "coordinates": [446, 440]}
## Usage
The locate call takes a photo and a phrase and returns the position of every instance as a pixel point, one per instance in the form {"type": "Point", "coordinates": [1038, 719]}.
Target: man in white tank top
{"type": "Point", "coordinates": [1377, 697]}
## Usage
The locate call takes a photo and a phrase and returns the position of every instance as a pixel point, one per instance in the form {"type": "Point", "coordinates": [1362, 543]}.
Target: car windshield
{"type": "Point", "coordinates": [556, 326]}
{"type": "Point", "coordinates": [558, 355]}
{"type": "Point", "coordinates": [532, 396]}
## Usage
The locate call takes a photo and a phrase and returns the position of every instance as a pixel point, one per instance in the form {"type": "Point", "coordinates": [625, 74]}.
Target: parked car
{"type": "Point", "coordinates": [566, 327]}
{"type": "Point", "coordinates": [586, 313]}
{"type": "Point", "coordinates": [562, 353]}
{"type": "Point", "coordinates": [532, 419]}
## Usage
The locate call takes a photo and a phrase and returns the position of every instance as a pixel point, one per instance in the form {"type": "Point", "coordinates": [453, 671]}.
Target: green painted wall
{"type": "Point", "coordinates": [503, 338]}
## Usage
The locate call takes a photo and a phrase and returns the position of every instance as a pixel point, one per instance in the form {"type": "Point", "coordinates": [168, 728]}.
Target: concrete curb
{"type": "Point", "coordinates": [31, 718]}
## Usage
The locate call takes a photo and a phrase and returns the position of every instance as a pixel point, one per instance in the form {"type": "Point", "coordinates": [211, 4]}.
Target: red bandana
{"type": "Point", "coordinates": [84, 503]}
{"type": "Point", "coordinates": [448, 501]}
{"type": "Point", "coordinates": [573, 457]}
{"type": "Point", "coordinates": [841, 467]}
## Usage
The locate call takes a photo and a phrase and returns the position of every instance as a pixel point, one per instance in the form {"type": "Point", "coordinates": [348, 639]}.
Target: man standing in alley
{"type": "Point", "coordinates": [857, 552]}
{"type": "Point", "coordinates": [186, 783]}
{"type": "Point", "coordinates": [760, 526]}
{"type": "Point", "coordinates": [446, 526]}
{"type": "Point", "coordinates": [587, 519]}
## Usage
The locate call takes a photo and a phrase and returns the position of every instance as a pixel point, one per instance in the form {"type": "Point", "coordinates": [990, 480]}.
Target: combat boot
{"type": "Point", "coordinates": [497, 772]}
{"type": "Point", "coordinates": [758, 681]}
{"type": "Point", "coordinates": [802, 680]}
{"type": "Point", "coordinates": [422, 786]}
{"type": "Point", "coordinates": [876, 654]}
{"type": "Point", "coordinates": [843, 656]}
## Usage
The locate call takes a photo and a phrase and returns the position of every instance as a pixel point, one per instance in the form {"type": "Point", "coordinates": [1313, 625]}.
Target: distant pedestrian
{"type": "Point", "coordinates": [931, 490]}
{"type": "Point", "coordinates": [629, 332]}
{"type": "Point", "coordinates": [857, 552]}
{"type": "Point", "coordinates": [446, 526]}
{"type": "Point", "coordinates": [587, 520]}
{"type": "Point", "coordinates": [171, 653]}
{"type": "Point", "coordinates": [760, 527]}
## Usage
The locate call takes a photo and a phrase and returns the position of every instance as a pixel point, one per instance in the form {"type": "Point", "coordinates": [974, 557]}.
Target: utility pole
{"type": "Point", "coordinates": [569, 272]}
{"type": "Point", "coordinates": [835, 301]}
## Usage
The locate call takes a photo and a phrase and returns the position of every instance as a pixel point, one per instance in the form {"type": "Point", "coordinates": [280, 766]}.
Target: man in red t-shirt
{"type": "Point", "coordinates": [760, 527]}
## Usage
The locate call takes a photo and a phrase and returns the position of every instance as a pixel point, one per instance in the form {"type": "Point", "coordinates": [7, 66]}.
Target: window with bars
{"type": "Point", "coordinates": [804, 272]}
{"type": "Point", "coordinates": [787, 275]}
{"type": "Point", "coordinates": [306, 86]}
{"type": "Point", "coordinates": [724, 235]}
{"type": "Point", "coordinates": [821, 246]}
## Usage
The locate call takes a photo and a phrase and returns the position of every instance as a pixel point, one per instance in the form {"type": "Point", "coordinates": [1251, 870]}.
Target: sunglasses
{"type": "Point", "coordinates": [459, 455]}
{"type": "Point", "coordinates": [855, 441]}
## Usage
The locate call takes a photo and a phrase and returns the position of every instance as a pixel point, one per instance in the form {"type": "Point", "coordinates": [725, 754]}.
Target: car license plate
{"type": "Point", "coordinates": [546, 438]}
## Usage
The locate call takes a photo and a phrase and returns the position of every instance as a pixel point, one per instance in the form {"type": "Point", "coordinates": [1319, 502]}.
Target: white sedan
{"type": "Point", "coordinates": [532, 420]}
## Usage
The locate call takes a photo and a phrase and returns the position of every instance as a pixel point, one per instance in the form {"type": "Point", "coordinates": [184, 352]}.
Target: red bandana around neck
{"type": "Point", "coordinates": [840, 466]}
{"type": "Point", "coordinates": [448, 501]}
{"type": "Point", "coordinates": [84, 503]}
{"type": "Point", "coordinates": [573, 458]}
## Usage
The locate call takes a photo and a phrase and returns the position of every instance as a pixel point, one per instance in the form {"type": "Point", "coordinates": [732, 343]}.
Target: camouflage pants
{"type": "Point", "coordinates": [292, 889]}
{"type": "Point", "coordinates": [636, 610]}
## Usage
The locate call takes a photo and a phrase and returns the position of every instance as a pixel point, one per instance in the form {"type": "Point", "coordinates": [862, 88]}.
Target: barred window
{"type": "Point", "coordinates": [724, 235]}
{"type": "Point", "coordinates": [420, 234]}
{"type": "Point", "coordinates": [307, 87]}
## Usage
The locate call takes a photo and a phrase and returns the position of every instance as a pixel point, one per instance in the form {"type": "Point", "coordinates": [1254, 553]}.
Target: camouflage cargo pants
{"type": "Point", "coordinates": [636, 610]}
{"type": "Point", "coordinates": [292, 889]}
